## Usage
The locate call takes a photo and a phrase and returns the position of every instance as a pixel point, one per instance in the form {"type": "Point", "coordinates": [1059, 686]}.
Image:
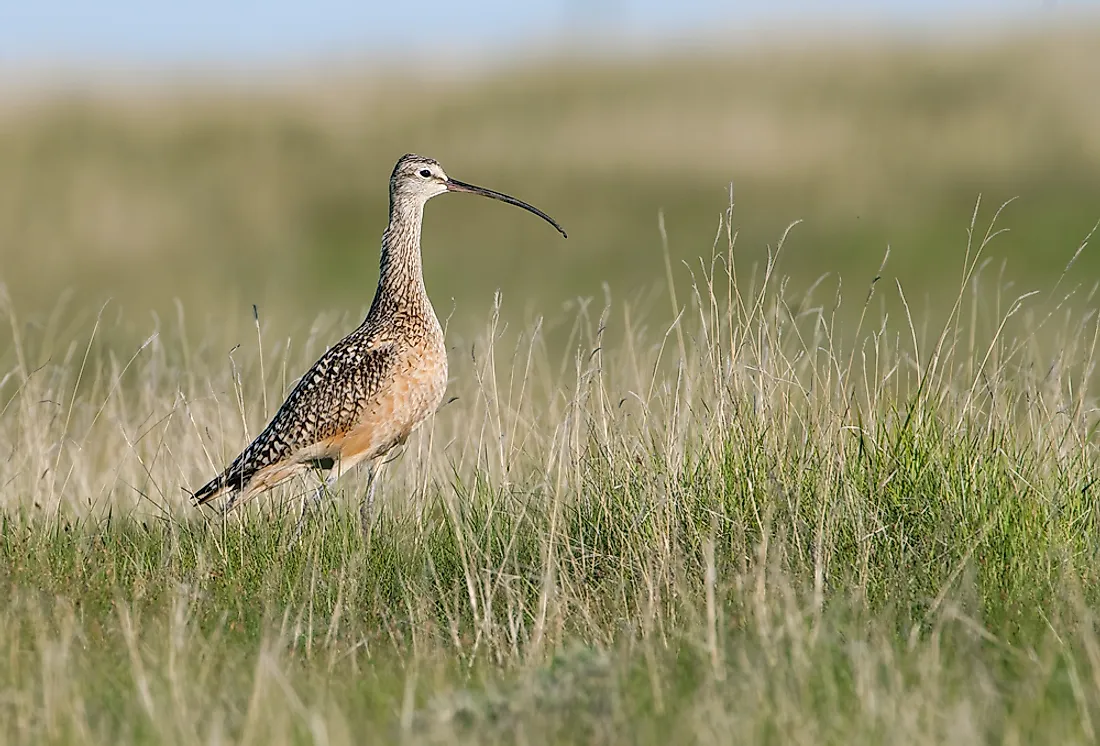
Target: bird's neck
{"type": "Point", "coordinates": [401, 272]}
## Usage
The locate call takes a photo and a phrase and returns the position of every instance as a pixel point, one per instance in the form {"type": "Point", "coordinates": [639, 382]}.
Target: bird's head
{"type": "Point", "coordinates": [417, 179]}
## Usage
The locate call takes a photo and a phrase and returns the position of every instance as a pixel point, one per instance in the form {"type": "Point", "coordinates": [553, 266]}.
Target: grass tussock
{"type": "Point", "coordinates": [737, 524]}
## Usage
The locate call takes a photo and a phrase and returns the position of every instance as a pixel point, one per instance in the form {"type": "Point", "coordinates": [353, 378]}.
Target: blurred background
{"type": "Point", "coordinates": [229, 154]}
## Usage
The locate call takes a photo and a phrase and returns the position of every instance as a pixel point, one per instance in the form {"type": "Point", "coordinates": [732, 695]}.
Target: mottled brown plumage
{"type": "Point", "coordinates": [374, 387]}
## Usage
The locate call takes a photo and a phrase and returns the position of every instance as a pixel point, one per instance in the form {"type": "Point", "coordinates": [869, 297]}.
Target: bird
{"type": "Point", "coordinates": [370, 391]}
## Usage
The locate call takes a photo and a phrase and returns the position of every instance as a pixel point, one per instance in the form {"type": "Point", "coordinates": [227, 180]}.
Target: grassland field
{"type": "Point", "coordinates": [759, 488]}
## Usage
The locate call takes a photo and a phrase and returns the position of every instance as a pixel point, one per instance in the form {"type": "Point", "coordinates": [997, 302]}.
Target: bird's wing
{"type": "Point", "coordinates": [326, 402]}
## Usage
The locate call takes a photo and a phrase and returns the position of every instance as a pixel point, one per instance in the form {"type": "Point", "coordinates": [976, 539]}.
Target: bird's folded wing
{"type": "Point", "coordinates": [327, 402]}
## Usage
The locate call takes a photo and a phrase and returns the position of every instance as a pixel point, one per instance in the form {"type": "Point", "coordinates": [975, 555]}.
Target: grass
{"type": "Point", "coordinates": [738, 523]}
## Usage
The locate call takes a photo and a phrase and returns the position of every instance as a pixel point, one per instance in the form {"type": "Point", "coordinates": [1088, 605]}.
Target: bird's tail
{"type": "Point", "coordinates": [229, 482]}
{"type": "Point", "coordinates": [240, 476]}
{"type": "Point", "coordinates": [212, 490]}
{"type": "Point", "coordinates": [257, 467]}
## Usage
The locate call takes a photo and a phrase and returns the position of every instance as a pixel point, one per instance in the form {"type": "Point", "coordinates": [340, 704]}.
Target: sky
{"type": "Point", "coordinates": [251, 32]}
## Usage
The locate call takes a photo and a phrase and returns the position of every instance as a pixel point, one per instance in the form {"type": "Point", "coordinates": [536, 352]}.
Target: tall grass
{"type": "Point", "coordinates": [736, 523]}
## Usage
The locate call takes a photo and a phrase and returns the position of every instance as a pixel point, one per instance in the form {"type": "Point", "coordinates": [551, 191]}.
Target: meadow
{"type": "Point", "coordinates": [699, 491]}
{"type": "Point", "coordinates": [723, 525]}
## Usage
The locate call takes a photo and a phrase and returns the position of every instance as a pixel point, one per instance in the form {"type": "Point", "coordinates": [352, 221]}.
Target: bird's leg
{"type": "Point", "coordinates": [365, 509]}
{"type": "Point", "coordinates": [229, 504]}
{"type": "Point", "coordinates": [313, 500]}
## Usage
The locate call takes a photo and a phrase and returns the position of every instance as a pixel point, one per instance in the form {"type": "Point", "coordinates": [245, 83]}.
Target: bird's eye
{"type": "Point", "coordinates": [425, 173]}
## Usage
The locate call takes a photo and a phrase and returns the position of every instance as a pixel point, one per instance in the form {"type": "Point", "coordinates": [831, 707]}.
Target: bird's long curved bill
{"type": "Point", "coordinates": [461, 186]}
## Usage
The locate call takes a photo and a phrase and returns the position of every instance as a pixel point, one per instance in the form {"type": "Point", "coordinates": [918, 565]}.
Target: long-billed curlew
{"type": "Point", "coordinates": [376, 385]}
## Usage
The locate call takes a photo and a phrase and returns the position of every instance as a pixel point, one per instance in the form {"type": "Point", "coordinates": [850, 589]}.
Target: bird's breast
{"type": "Point", "coordinates": [420, 383]}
